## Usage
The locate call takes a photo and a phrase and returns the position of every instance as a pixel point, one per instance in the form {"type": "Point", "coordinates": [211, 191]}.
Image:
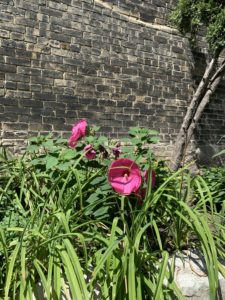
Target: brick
{"type": "Point", "coordinates": [18, 61]}
{"type": "Point", "coordinates": [25, 22]}
{"type": "Point", "coordinates": [39, 127]}
{"type": "Point", "coordinates": [54, 121]}
{"type": "Point", "coordinates": [2, 92]}
{"type": "Point", "coordinates": [10, 85]}
{"type": "Point", "coordinates": [7, 68]}
{"type": "Point", "coordinates": [29, 71]}
{"type": "Point", "coordinates": [4, 33]}
{"type": "Point", "coordinates": [23, 86]}
{"type": "Point", "coordinates": [14, 126]}
{"type": "Point", "coordinates": [60, 37]}
{"type": "Point", "coordinates": [44, 96]}
{"type": "Point", "coordinates": [52, 74]}
{"type": "Point", "coordinates": [41, 80]}
{"type": "Point", "coordinates": [4, 16]}
{"type": "Point", "coordinates": [63, 82]}
{"type": "Point", "coordinates": [30, 103]}
{"type": "Point", "coordinates": [17, 77]}
{"type": "Point", "coordinates": [51, 12]}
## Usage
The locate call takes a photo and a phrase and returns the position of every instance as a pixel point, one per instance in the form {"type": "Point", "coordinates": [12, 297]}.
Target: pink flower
{"type": "Point", "coordinates": [146, 174]}
{"type": "Point", "coordinates": [124, 176]}
{"type": "Point", "coordinates": [90, 152]}
{"type": "Point", "coordinates": [78, 131]}
{"type": "Point", "coordinates": [116, 151]}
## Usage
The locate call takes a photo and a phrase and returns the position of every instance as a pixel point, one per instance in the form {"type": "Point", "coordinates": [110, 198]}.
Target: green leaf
{"type": "Point", "coordinates": [102, 139]}
{"type": "Point", "coordinates": [134, 130]}
{"type": "Point", "coordinates": [105, 188]}
{"type": "Point", "coordinates": [77, 267]}
{"type": "Point", "coordinates": [135, 141]}
{"type": "Point", "coordinates": [154, 139]}
{"type": "Point", "coordinates": [10, 271]}
{"type": "Point", "coordinates": [153, 132]}
{"type": "Point", "coordinates": [71, 275]}
{"type": "Point", "coordinates": [68, 154]}
{"type": "Point", "coordinates": [93, 198]}
{"type": "Point", "coordinates": [220, 153]}
{"type": "Point", "coordinates": [161, 276]}
{"type": "Point", "coordinates": [48, 144]}
{"type": "Point", "coordinates": [131, 276]}
{"type": "Point", "coordinates": [60, 141]}
{"type": "Point", "coordinates": [32, 148]}
{"type": "Point", "coordinates": [97, 180]}
{"type": "Point", "coordinates": [64, 166]}
{"type": "Point", "coordinates": [51, 162]}
{"type": "Point", "coordinates": [102, 211]}
{"type": "Point", "coordinates": [33, 139]}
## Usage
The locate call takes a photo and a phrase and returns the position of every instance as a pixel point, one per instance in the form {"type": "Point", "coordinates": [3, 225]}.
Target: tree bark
{"type": "Point", "coordinates": [206, 88]}
{"type": "Point", "coordinates": [214, 82]}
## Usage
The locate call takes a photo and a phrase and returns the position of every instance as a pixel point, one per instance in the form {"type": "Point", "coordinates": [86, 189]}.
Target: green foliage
{"type": "Point", "coordinates": [63, 230]}
{"type": "Point", "coordinates": [214, 178]}
{"type": "Point", "coordinates": [189, 16]}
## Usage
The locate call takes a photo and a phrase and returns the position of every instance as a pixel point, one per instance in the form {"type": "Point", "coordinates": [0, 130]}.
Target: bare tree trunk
{"type": "Point", "coordinates": [205, 100]}
{"type": "Point", "coordinates": [200, 99]}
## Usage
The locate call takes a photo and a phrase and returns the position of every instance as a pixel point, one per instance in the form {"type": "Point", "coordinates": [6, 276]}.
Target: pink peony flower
{"type": "Point", "coordinates": [146, 174]}
{"type": "Point", "coordinates": [90, 152]}
{"type": "Point", "coordinates": [78, 131]}
{"type": "Point", "coordinates": [124, 176]}
{"type": "Point", "coordinates": [116, 151]}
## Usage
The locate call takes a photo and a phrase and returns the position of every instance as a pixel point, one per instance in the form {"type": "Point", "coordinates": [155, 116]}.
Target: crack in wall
{"type": "Point", "coordinates": [135, 18]}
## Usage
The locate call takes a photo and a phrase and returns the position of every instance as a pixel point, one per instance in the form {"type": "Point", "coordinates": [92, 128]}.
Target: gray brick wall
{"type": "Point", "coordinates": [115, 63]}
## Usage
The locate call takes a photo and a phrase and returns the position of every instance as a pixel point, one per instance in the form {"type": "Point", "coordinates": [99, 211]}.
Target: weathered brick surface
{"type": "Point", "coordinates": [100, 60]}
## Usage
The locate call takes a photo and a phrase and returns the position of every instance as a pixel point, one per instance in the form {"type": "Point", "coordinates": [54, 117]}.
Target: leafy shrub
{"type": "Point", "coordinates": [63, 220]}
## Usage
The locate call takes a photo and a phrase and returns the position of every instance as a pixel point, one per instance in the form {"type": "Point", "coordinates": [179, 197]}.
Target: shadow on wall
{"type": "Point", "coordinates": [205, 153]}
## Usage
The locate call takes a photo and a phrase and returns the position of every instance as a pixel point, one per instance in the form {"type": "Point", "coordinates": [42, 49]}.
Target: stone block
{"type": "Point", "coordinates": [192, 279]}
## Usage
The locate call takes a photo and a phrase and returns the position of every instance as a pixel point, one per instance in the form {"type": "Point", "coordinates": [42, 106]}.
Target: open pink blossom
{"type": "Point", "coordinates": [124, 176]}
{"type": "Point", "coordinates": [146, 175]}
{"type": "Point", "coordinates": [90, 152]}
{"type": "Point", "coordinates": [78, 131]}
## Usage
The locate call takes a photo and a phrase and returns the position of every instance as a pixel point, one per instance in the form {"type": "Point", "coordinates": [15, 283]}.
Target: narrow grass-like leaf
{"type": "Point", "coordinates": [42, 277]}
{"type": "Point", "coordinates": [77, 267]}
{"type": "Point", "coordinates": [63, 220]}
{"type": "Point", "coordinates": [4, 192]}
{"type": "Point", "coordinates": [161, 276]}
{"type": "Point", "coordinates": [131, 276]}
{"type": "Point", "coordinates": [79, 187]}
{"type": "Point", "coordinates": [23, 269]}
{"type": "Point", "coordinates": [112, 238]}
{"type": "Point", "coordinates": [4, 245]}
{"type": "Point", "coordinates": [157, 235]}
{"type": "Point", "coordinates": [139, 235]}
{"type": "Point", "coordinates": [63, 189]}
{"type": "Point", "coordinates": [56, 278]}
{"type": "Point", "coordinates": [50, 271]}
{"type": "Point", "coordinates": [104, 257]}
{"type": "Point", "coordinates": [208, 247]}
{"type": "Point", "coordinates": [70, 275]}
{"type": "Point", "coordinates": [9, 274]}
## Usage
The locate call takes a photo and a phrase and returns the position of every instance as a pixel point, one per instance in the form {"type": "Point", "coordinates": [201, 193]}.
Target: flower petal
{"type": "Point", "coordinates": [124, 176]}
